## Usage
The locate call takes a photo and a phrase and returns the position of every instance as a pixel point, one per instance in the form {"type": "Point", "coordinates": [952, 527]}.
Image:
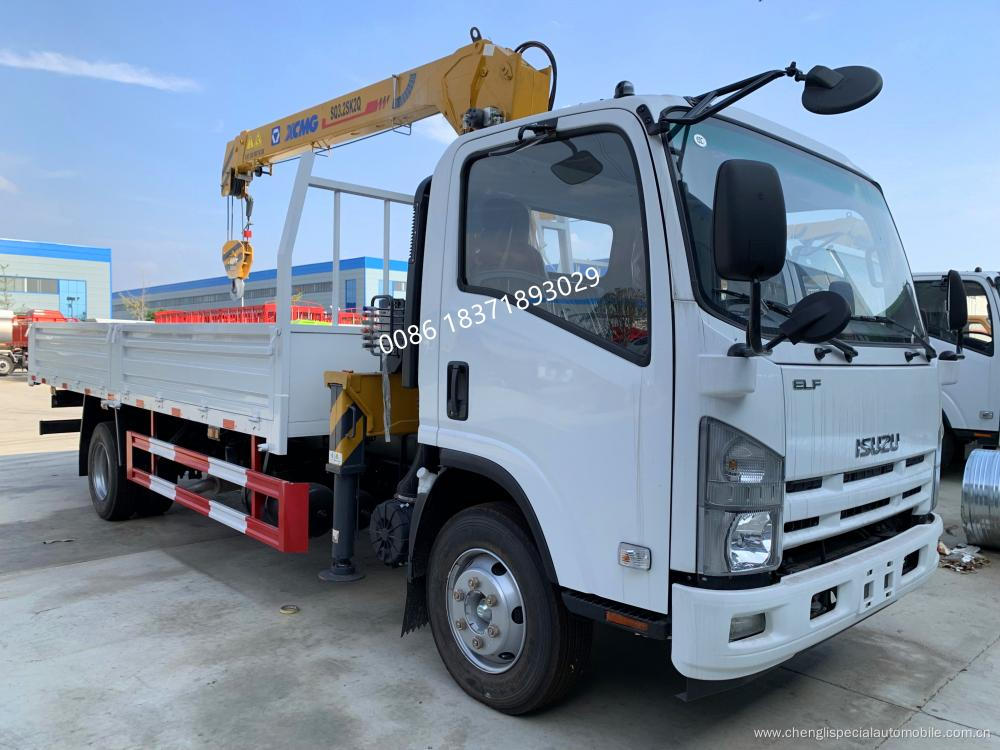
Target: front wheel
{"type": "Point", "coordinates": [499, 624]}
{"type": "Point", "coordinates": [949, 446]}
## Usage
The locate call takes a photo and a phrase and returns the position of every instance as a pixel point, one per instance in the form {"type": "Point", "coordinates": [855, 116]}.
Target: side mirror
{"type": "Point", "coordinates": [750, 231]}
{"type": "Point", "coordinates": [832, 92]}
{"type": "Point", "coordinates": [817, 318]}
{"type": "Point", "coordinates": [845, 290]}
{"type": "Point", "coordinates": [958, 313]}
{"type": "Point", "coordinates": [958, 306]}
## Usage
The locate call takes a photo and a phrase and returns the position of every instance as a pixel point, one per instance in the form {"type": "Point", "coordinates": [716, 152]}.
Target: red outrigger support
{"type": "Point", "coordinates": [290, 535]}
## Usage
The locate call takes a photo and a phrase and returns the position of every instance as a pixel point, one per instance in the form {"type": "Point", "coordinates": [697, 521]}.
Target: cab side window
{"type": "Point", "coordinates": [978, 334]}
{"type": "Point", "coordinates": [557, 227]}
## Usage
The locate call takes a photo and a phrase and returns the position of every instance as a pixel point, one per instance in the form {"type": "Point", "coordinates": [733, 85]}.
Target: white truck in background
{"type": "Point", "coordinates": [641, 377]}
{"type": "Point", "coordinates": [970, 407]}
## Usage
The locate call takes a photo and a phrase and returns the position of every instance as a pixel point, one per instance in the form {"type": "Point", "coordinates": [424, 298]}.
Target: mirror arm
{"type": "Point", "coordinates": [775, 341]}
{"type": "Point", "coordinates": [847, 350]}
{"type": "Point", "coordinates": [703, 108]}
{"type": "Point", "coordinates": [753, 346]}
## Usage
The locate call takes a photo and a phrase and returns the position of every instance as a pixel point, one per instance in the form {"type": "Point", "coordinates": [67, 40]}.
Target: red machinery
{"type": "Point", "coordinates": [254, 314]}
{"type": "Point", "coordinates": [14, 336]}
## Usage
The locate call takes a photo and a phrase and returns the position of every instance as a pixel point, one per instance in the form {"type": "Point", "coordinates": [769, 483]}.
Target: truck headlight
{"type": "Point", "coordinates": [740, 498]}
{"type": "Point", "coordinates": [750, 541]}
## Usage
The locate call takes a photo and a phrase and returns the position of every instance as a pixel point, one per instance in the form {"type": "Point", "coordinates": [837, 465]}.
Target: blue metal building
{"type": "Point", "coordinates": [360, 279]}
{"type": "Point", "coordinates": [73, 279]}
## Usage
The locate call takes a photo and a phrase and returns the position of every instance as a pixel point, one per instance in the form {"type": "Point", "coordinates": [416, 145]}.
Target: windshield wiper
{"type": "Point", "coordinates": [929, 351]}
{"type": "Point", "coordinates": [847, 350]}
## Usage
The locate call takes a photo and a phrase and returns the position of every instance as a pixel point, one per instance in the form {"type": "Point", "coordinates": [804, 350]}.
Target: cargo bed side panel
{"type": "Point", "coordinates": [226, 375]}
{"type": "Point", "coordinates": [78, 354]}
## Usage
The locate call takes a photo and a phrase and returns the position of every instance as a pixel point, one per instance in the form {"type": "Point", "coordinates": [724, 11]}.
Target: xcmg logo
{"type": "Point", "coordinates": [876, 444]}
{"type": "Point", "coordinates": [302, 127]}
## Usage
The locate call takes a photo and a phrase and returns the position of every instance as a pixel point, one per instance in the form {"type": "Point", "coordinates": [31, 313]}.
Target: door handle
{"type": "Point", "coordinates": [458, 390]}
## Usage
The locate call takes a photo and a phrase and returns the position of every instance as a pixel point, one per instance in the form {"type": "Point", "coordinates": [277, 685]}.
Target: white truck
{"type": "Point", "coordinates": [577, 395]}
{"type": "Point", "coordinates": [970, 408]}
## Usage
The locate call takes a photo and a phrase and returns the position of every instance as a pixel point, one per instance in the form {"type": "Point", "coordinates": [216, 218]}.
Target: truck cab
{"type": "Point", "coordinates": [752, 506]}
{"type": "Point", "coordinates": [971, 406]}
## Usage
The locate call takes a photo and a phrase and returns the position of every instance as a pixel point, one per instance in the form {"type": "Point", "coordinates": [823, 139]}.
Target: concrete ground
{"type": "Point", "coordinates": [166, 633]}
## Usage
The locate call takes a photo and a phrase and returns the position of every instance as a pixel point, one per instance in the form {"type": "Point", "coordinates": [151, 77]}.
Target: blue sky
{"type": "Point", "coordinates": [128, 154]}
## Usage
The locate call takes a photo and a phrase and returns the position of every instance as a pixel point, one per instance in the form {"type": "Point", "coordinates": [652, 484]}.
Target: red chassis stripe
{"type": "Point", "coordinates": [292, 532]}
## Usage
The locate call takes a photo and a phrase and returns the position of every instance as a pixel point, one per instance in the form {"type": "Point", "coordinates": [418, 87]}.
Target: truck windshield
{"type": "Point", "coordinates": [840, 234]}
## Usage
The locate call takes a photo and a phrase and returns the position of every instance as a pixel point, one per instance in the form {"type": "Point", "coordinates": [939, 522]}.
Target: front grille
{"type": "Point", "coordinates": [801, 485]}
{"type": "Point", "coordinates": [826, 497]}
{"type": "Point", "coordinates": [801, 558]}
{"type": "Point", "coordinates": [802, 523]}
{"type": "Point", "coordinates": [859, 509]}
{"type": "Point", "coordinates": [873, 471]}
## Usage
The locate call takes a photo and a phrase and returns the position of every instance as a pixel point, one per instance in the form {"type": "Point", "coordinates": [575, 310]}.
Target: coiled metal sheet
{"type": "Point", "coordinates": [981, 498]}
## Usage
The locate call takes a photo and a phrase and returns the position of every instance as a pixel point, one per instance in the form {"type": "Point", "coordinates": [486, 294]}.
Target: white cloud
{"type": "Point", "coordinates": [437, 129]}
{"type": "Point", "coordinates": [6, 186]}
{"type": "Point", "coordinates": [55, 62]}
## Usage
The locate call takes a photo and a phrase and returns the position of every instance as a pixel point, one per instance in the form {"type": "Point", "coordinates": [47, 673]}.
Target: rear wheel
{"type": "Point", "coordinates": [149, 503]}
{"type": "Point", "coordinates": [113, 496]}
{"type": "Point", "coordinates": [110, 492]}
{"type": "Point", "coordinates": [498, 623]}
{"type": "Point", "coordinates": [6, 366]}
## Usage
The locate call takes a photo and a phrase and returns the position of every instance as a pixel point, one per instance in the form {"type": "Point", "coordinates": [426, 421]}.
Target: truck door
{"type": "Point", "coordinates": [555, 356]}
{"type": "Point", "coordinates": [981, 402]}
{"type": "Point", "coordinates": [973, 403]}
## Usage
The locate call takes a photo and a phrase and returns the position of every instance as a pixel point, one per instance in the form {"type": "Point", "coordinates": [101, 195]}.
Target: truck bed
{"type": "Point", "coordinates": [256, 378]}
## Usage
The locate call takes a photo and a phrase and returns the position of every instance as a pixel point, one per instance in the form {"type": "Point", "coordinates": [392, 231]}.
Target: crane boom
{"type": "Point", "coordinates": [480, 75]}
{"type": "Point", "coordinates": [479, 84]}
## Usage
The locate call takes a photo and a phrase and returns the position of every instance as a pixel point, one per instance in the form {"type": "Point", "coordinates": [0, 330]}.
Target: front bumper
{"type": "Point", "coordinates": [701, 618]}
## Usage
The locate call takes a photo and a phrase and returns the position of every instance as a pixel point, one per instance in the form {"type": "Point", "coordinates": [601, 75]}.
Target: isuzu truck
{"type": "Point", "coordinates": [659, 365]}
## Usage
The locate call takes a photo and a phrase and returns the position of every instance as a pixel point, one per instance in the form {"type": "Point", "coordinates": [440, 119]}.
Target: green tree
{"type": "Point", "coordinates": [6, 285]}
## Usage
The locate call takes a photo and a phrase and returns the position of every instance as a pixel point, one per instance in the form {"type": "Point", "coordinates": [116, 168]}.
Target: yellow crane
{"type": "Point", "coordinates": [478, 85]}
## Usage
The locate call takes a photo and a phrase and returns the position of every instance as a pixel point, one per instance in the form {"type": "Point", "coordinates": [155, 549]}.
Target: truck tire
{"type": "Point", "coordinates": [498, 623]}
{"type": "Point", "coordinates": [149, 503]}
{"type": "Point", "coordinates": [111, 493]}
{"type": "Point", "coordinates": [949, 445]}
{"type": "Point", "coordinates": [6, 365]}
